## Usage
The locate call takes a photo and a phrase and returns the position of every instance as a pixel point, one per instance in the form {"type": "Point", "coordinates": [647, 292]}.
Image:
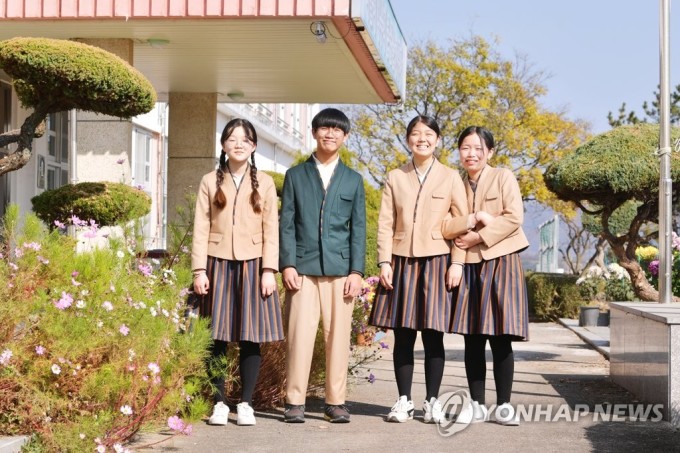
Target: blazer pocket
{"type": "Point", "coordinates": [438, 202]}
{"type": "Point", "coordinates": [437, 234]}
{"type": "Point", "coordinates": [344, 204]}
{"type": "Point", "coordinates": [299, 251]}
{"type": "Point", "coordinates": [398, 236]}
{"type": "Point", "coordinates": [215, 237]}
{"type": "Point", "coordinates": [257, 238]}
{"type": "Point", "coordinates": [492, 194]}
{"type": "Point", "coordinates": [345, 253]}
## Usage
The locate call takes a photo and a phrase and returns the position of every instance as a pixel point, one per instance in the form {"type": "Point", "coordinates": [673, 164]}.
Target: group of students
{"type": "Point", "coordinates": [447, 250]}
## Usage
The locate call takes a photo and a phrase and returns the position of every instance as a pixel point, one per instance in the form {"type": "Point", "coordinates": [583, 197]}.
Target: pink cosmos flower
{"type": "Point", "coordinates": [154, 368]}
{"type": "Point", "coordinates": [145, 269]}
{"type": "Point", "coordinates": [124, 330]}
{"type": "Point", "coordinates": [65, 301]}
{"type": "Point", "coordinates": [40, 350]}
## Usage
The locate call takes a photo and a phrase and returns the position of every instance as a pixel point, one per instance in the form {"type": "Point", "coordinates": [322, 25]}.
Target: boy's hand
{"type": "Point", "coordinates": [290, 278]}
{"type": "Point", "coordinates": [353, 285]}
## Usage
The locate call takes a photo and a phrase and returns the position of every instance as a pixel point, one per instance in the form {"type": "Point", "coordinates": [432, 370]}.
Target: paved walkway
{"type": "Point", "coordinates": [561, 369]}
{"type": "Point", "coordinates": [555, 373]}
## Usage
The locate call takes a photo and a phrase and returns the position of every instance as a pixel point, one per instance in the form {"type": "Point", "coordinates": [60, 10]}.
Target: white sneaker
{"type": "Point", "coordinates": [473, 413]}
{"type": "Point", "coordinates": [433, 412]}
{"type": "Point", "coordinates": [245, 415]}
{"type": "Point", "coordinates": [401, 411]}
{"type": "Point", "coordinates": [506, 415]}
{"type": "Point", "coordinates": [220, 415]}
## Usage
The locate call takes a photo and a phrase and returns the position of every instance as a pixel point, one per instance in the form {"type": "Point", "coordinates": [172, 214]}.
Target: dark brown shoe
{"type": "Point", "coordinates": [336, 413]}
{"type": "Point", "coordinates": [294, 413]}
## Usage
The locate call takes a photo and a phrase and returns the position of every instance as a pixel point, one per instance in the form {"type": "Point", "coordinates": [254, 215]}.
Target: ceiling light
{"type": "Point", "coordinates": [318, 29]}
{"type": "Point", "coordinates": [235, 95]}
{"type": "Point", "coordinates": [157, 43]}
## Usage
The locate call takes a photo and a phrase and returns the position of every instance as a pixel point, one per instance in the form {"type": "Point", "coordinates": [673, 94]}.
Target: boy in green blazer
{"type": "Point", "coordinates": [322, 252]}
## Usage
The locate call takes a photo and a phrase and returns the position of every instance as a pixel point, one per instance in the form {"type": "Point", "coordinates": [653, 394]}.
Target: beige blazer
{"type": "Point", "coordinates": [498, 194]}
{"type": "Point", "coordinates": [411, 216]}
{"type": "Point", "coordinates": [236, 232]}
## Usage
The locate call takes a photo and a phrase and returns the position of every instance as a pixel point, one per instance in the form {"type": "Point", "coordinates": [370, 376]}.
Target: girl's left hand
{"type": "Point", "coordinates": [267, 283]}
{"type": "Point", "coordinates": [468, 240]}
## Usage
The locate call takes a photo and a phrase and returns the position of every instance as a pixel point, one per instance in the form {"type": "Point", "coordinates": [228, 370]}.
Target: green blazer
{"type": "Point", "coordinates": [322, 233]}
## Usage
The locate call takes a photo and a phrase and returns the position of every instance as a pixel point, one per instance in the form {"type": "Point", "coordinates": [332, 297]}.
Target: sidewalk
{"type": "Point", "coordinates": [555, 369]}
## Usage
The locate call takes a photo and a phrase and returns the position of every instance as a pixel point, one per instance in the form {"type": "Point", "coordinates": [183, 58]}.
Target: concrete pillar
{"type": "Point", "coordinates": [104, 140]}
{"type": "Point", "coordinates": [191, 145]}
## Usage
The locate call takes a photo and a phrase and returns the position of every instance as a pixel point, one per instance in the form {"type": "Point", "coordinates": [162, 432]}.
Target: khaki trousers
{"type": "Point", "coordinates": [318, 296]}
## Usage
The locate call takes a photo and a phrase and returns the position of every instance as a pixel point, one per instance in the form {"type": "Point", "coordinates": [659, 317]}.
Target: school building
{"type": "Point", "coordinates": [270, 61]}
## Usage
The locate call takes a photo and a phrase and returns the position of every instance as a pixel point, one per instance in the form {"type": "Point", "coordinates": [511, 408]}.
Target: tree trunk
{"type": "Point", "coordinates": [598, 257]}
{"type": "Point", "coordinates": [643, 289]}
{"type": "Point", "coordinates": [14, 161]}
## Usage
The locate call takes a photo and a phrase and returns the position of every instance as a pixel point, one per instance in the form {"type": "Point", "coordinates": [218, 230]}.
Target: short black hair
{"type": "Point", "coordinates": [330, 117]}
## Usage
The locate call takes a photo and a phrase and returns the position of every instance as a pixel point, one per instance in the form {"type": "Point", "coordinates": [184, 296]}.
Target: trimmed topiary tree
{"type": "Point", "coordinates": [107, 203]}
{"type": "Point", "coordinates": [609, 170]}
{"type": "Point", "coordinates": [52, 75]}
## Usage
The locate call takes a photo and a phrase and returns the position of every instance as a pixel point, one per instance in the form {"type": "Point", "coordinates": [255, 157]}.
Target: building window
{"type": "Point", "coordinates": [142, 171]}
{"type": "Point", "coordinates": [57, 132]}
{"type": "Point", "coordinates": [5, 109]}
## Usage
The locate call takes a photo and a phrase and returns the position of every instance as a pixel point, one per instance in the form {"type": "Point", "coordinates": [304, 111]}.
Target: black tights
{"type": "Point", "coordinates": [249, 366]}
{"type": "Point", "coordinates": [433, 343]}
{"type": "Point", "coordinates": [503, 366]}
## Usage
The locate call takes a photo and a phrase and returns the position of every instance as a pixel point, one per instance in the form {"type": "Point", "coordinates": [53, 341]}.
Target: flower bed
{"type": "Point", "coordinates": [93, 346]}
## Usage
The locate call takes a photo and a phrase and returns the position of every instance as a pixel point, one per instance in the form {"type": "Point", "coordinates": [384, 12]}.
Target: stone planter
{"type": "Point", "coordinates": [588, 316]}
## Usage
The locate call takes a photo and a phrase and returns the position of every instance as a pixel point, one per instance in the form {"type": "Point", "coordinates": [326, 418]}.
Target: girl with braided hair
{"type": "Point", "coordinates": [234, 258]}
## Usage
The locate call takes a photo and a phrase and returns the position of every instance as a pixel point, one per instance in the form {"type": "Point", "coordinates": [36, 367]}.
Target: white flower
{"type": "Point", "coordinates": [56, 369]}
{"type": "Point", "coordinates": [82, 436]}
{"type": "Point", "coordinates": [126, 410]}
{"type": "Point", "coordinates": [120, 254]}
{"type": "Point", "coordinates": [108, 306]}
{"type": "Point", "coordinates": [80, 303]}
{"type": "Point", "coordinates": [5, 357]}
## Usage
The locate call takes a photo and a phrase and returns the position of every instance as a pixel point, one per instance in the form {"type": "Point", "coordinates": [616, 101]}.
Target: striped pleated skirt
{"type": "Point", "coordinates": [492, 299]}
{"type": "Point", "coordinates": [419, 298]}
{"type": "Point", "coordinates": [235, 304]}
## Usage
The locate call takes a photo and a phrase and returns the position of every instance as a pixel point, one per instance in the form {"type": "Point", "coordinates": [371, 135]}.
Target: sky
{"type": "Point", "coordinates": [596, 53]}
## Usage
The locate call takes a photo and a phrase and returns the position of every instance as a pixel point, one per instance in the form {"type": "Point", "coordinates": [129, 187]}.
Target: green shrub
{"type": "Point", "coordinates": [107, 203]}
{"type": "Point", "coordinates": [94, 345]}
{"type": "Point", "coordinates": [278, 181]}
{"type": "Point", "coordinates": [66, 74]}
{"type": "Point", "coordinates": [619, 290]}
{"type": "Point", "coordinates": [553, 296]}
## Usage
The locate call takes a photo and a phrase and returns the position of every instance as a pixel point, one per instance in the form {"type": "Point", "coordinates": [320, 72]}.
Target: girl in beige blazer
{"type": "Point", "coordinates": [418, 267]}
{"type": "Point", "coordinates": [492, 299]}
{"type": "Point", "coordinates": [234, 259]}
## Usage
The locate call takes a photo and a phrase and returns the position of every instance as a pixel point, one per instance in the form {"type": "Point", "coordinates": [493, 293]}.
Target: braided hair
{"type": "Point", "coordinates": [220, 200]}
